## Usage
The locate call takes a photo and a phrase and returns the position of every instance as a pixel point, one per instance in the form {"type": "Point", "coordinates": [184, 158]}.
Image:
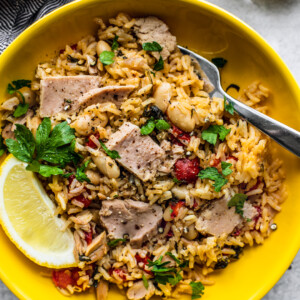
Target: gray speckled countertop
{"type": "Point", "coordinates": [278, 21]}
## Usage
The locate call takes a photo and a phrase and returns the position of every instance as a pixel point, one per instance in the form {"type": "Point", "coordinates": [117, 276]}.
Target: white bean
{"type": "Point", "coordinates": [93, 176]}
{"type": "Point", "coordinates": [102, 46]}
{"type": "Point", "coordinates": [167, 214]}
{"type": "Point", "coordinates": [162, 96]}
{"type": "Point", "coordinates": [190, 233]}
{"type": "Point", "coordinates": [180, 114]}
{"type": "Point", "coordinates": [107, 166]}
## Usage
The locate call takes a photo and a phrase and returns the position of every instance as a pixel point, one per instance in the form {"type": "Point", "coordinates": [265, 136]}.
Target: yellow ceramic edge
{"type": "Point", "coordinates": [215, 10]}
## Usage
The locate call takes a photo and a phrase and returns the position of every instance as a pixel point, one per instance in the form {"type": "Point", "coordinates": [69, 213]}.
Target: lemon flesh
{"type": "Point", "coordinates": [27, 216]}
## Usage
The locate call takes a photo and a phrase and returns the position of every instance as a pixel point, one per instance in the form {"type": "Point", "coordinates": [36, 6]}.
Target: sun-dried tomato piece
{"type": "Point", "coordinates": [187, 169]}
{"type": "Point", "coordinates": [175, 207]}
{"type": "Point", "coordinates": [90, 142]}
{"type": "Point", "coordinates": [215, 162]}
{"type": "Point", "coordinates": [144, 261]}
{"type": "Point", "coordinates": [63, 278]}
{"type": "Point", "coordinates": [120, 272]}
{"type": "Point", "coordinates": [86, 202]}
{"type": "Point", "coordinates": [182, 137]}
{"type": "Point", "coordinates": [88, 236]}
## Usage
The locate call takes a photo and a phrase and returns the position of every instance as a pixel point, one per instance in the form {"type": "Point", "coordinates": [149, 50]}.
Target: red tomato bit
{"type": "Point", "coordinates": [144, 261]}
{"type": "Point", "coordinates": [83, 200]}
{"type": "Point", "coordinates": [215, 162]}
{"type": "Point", "coordinates": [121, 273]}
{"type": "Point", "coordinates": [181, 136]}
{"type": "Point", "coordinates": [187, 170]}
{"type": "Point", "coordinates": [88, 236]}
{"type": "Point", "coordinates": [90, 142]}
{"type": "Point", "coordinates": [175, 207]}
{"type": "Point", "coordinates": [63, 278]}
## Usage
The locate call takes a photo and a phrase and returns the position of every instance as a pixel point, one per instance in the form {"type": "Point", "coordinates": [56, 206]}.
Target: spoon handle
{"type": "Point", "coordinates": [284, 135]}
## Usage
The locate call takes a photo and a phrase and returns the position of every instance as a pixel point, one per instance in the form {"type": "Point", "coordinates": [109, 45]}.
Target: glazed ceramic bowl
{"type": "Point", "coordinates": [211, 32]}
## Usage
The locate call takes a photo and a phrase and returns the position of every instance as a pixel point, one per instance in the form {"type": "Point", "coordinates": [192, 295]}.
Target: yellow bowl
{"type": "Point", "coordinates": [212, 32]}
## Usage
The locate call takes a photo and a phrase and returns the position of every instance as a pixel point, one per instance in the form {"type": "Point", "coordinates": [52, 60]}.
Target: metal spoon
{"type": "Point", "coordinates": [284, 135]}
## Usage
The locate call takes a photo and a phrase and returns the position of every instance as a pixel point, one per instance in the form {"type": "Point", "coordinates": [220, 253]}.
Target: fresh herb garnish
{"type": "Point", "coordinates": [219, 62]}
{"type": "Point", "coordinates": [14, 87]}
{"type": "Point", "coordinates": [152, 124]}
{"type": "Point", "coordinates": [238, 201]}
{"type": "Point", "coordinates": [159, 65]}
{"type": "Point", "coordinates": [213, 131]}
{"type": "Point", "coordinates": [228, 107]}
{"type": "Point", "coordinates": [145, 282]}
{"type": "Point", "coordinates": [80, 175]}
{"type": "Point", "coordinates": [177, 180]}
{"type": "Point", "coordinates": [2, 146]}
{"type": "Point", "coordinates": [173, 257]}
{"type": "Point", "coordinates": [154, 46]}
{"type": "Point", "coordinates": [114, 243]}
{"type": "Point", "coordinates": [197, 289]}
{"type": "Point", "coordinates": [113, 154]}
{"type": "Point", "coordinates": [226, 168]}
{"type": "Point", "coordinates": [55, 147]}
{"type": "Point", "coordinates": [115, 44]}
{"type": "Point", "coordinates": [233, 86]}
{"type": "Point", "coordinates": [106, 57]}
{"type": "Point", "coordinates": [213, 174]}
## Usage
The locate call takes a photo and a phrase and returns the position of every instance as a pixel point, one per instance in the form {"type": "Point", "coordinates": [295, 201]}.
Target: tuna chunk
{"type": "Point", "coordinates": [114, 94]}
{"type": "Point", "coordinates": [138, 220]}
{"type": "Point", "coordinates": [139, 153]}
{"type": "Point", "coordinates": [58, 93]}
{"type": "Point", "coordinates": [152, 29]}
{"type": "Point", "coordinates": [219, 219]}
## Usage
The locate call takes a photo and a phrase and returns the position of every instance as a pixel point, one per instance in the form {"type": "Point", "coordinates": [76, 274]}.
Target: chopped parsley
{"type": "Point", "coordinates": [113, 154]}
{"type": "Point", "coordinates": [152, 124]}
{"type": "Point", "coordinates": [145, 282]}
{"type": "Point", "coordinates": [114, 243]}
{"type": "Point", "coordinates": [228, 107]}
{"type": "Point", "coordinates": [173, 257]}
{"type": "Point", "coordinates": [106, 57]}
{"type": "Point", "coordinates": [213, 174]}
{"type": "Point", "coordinates": [154, 46]}
{"type": "Point", "coordinates": [219, 62]}
{"type": "Point", "coordinates": [53, 147]}
{"type": "Point", "coordinates": [197, 289]}
{"type": "Point", "coordinates": [226, 168]}
{"type": "Point", "coordinates": [80, 175]}
{"type": "Point", "coordinates": [115, 44]}
{"type": "Point", "coordinates": [159, 65]}
{"type": "Point", "coordinates": [238, 201]}
{"type": "Point", "coordinates": [177, 180]}
{"type": "Point", "coordinates": [213, 131]}
{"type": "Point", "coordinates": [14, 87]}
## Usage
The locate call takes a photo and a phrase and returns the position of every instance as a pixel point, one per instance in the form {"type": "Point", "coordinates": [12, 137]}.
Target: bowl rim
{"type": "Point", "coordinates": [214, 10]}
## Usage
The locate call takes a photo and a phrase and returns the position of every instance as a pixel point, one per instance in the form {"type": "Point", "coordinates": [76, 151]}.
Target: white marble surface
{"type": "Point", "coordinates": [278, 21]}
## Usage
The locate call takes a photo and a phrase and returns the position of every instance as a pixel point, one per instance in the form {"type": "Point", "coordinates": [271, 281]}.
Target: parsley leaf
{"type": "Point", "coordinates": [115, 242]}
{"type": "Point", "coordinates": [213, 131]}
{"type": "Point", "coordinates": [44, 170]}
{"type": "Point", "coordinates": [24, 145]}
{"type": "Point", "coordinates": [113, 154]}
{"type": "Point", "coordinates": [151, 124]}
{"type": "Point", "coordinates": [145, 282]}
{"type": "Point", "coordinates": [154, 46]}
{"type": "Point", "coordinates": [115, 44]}
{"type": "Point", "coordinates": [173, 257]}
{"type": "Point", "coordinates": [197, 289]}
{"type": "Point", "coordinates": [228, 107]}
{"type": "Point", "coordinates": [80, 175]}
{"type": "Point", "coordinates": [162, 125]}
{"type": "Point", "coordinates": [226, 168]}
{"type": "Point", "coordinates": [148, 127]}
{"type": "Point", "coordinates": [219, 62]}
{"type": "Point", "coordinates": [159, 65]}
{"type": "Point", "coordinates": [106, 57]}
{"type": "Point", "coordinates": [12, 88]}
{"type": "Point", "coordinates": [238, 201]}
{"type": "Point", "coordinates": [2, 146]}
{"type": "Point", "coordinates": [213, 174]}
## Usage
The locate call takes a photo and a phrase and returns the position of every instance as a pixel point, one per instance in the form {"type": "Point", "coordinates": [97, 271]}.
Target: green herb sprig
{"type": "Point", "coordinates": [238, 201]}
{"type": "Point", "coordinates": [106, 57]}
{"type": "Point", "coordinates": [213, 174]}
{"type": "Point", "coordinates": [111, 153]}
{"type": "Point", "coordinates": [228, 107]}
{"type": "Point", "coordinates": [114, 243]}
{"type": "Point", "coordinates": [197, 289]}
{"type": "Point", "coordinates": [14, 87]}
{"type": "Point", "coordinates": [213, 131]}
{"type": "Point", "coordinates": [152, 124]}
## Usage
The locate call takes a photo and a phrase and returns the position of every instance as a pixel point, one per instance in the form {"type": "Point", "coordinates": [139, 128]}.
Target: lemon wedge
{"type": "Point", "coordinates": [27, 217]}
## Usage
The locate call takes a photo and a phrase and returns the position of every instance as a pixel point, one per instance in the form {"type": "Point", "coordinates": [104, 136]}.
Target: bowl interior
{"type": "Point", "coordinates": [211, 32]}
